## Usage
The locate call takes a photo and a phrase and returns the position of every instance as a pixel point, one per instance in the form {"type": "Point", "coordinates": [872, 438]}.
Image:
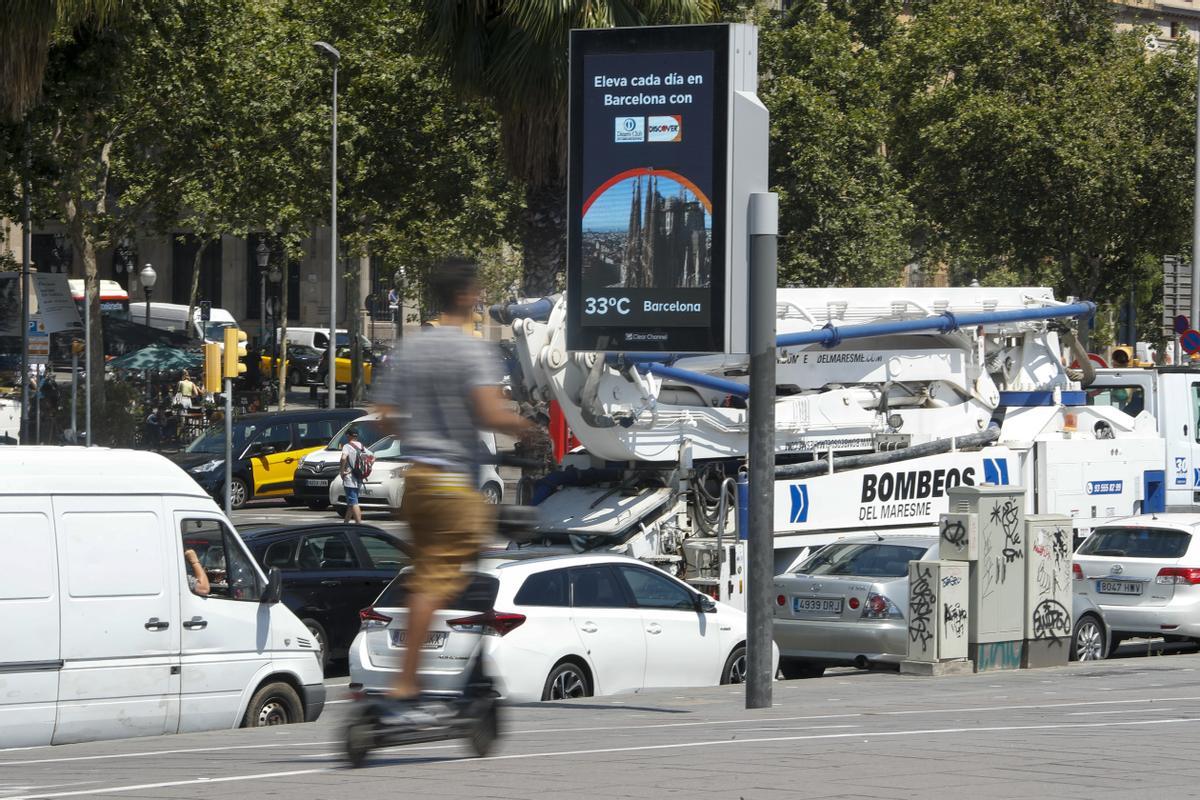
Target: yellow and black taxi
{"type": "Point", "coordinates": [266, 448]}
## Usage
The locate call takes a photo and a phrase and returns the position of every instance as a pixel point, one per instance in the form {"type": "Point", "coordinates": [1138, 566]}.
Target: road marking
{"type": "Point", "coordinates": [164, 752]}
{"type": "Point", "coordinates": [684, 724]}
{"type": "Point", "coordinates": [630, 749]}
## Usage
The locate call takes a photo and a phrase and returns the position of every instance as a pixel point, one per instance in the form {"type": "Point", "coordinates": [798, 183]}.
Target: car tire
{"type": "Point", "coordinates": [274, 704]}
{"type": "Point", "coordinates": [796, 668]}
{"type": "Point", "coordinates": [321, 641]}
{"type": "Point", "coordinates": [566, 681]}
{"type": "Point", "coordinates": [492, 494]}
{"type": "Point", "coordinates": [318, 505]}
{"type": "Point", "coordinates": [734, 670]}
{"type": "Point", "coordinates": [239, 493]}
{"type": "Point", "coordinates": [291, 380]}
{"type": "Point", "coordinates": [291, 500]}
{"type": "Point", "coordinates": [1089, 642]}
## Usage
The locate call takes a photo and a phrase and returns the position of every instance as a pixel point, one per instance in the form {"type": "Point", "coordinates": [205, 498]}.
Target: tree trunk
{"type": "Point", "coordinates": [281, 341]}
{"type": "Point", "coordinates": [544, 239]}
{"type": "Point", "coordinates": [195, 281]}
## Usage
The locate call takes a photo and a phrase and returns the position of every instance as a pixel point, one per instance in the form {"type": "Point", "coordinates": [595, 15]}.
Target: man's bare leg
{"type": "Point", "coordinates": [421, 608]}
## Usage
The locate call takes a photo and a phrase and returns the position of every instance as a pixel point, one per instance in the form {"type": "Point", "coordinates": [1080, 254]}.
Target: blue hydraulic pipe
{"type": "Point", "coordinates": [506, 313]}
{"type": "Point", "coordinates": [832, 335]}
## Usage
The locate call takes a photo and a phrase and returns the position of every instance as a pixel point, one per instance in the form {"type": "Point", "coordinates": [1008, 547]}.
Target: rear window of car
{"type": "Point", "coordinates": [863, 560]}
{"type": "Point", "coordinates": [479, 596]}
{"type": "Point", "coordinates": [1136, 543]}
{"type": "Point", "coordinates": [544, 589]}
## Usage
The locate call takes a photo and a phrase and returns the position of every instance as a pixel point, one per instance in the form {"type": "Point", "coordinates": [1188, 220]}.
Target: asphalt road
{"type": "Point", "coordinates": [1123, 728]}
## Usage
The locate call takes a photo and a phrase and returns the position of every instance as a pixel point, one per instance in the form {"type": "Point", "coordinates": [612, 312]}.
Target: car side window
{"type": "Point", "coordinates": [315, 433]}
{"type": "Point", "coordinates": [384, 554]}
{"type": "Point", "coordinates": [227, 568]}
{"type": "Point", "coordinates": [278, 436]}
{"type": "Point", "coordinates": [550, 588]}
{"type": "Point", "coordinates": [651, 590]}
{"type": "Point", "coordinates": [327, 551]}
{"type": "Point", "coordinates": [596, 587]}
{"type": "Point", "coordinates": [280, 554]}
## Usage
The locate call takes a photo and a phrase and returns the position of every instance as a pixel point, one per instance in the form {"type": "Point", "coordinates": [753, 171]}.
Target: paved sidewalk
{"type": "Point", "coordinates": [1119, 729]}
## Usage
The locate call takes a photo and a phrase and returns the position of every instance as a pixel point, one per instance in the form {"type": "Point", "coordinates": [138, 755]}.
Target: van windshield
{"type": "Point", "coordinates": [214, 331]}
{"type": "Point", "coordinates": [213, 440]}
{"type": "Point", "coordinates": [369, 432]}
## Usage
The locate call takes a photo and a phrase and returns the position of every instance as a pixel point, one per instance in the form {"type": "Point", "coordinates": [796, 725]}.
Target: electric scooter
{"type": "Point", "coordinates": [473, 714]}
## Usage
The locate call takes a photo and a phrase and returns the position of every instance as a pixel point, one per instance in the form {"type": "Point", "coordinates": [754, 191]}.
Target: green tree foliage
{"type": "Point", "coordinates": [1037, 140]}
{"type": "Point", "coordinates": [844, 214]}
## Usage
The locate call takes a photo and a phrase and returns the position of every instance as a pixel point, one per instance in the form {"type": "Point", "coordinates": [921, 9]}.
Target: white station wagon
{"type": "Point", "coordinates": [1136, 577]}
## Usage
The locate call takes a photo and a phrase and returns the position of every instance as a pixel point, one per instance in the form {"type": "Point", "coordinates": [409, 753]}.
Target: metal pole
{"type": "Point", "coordinates": [1194, 307]}
{"type": "Point", "coordinates": [74, 395]}
{"type": "Point", "coordinates": [26, 247]}
{"type": "Point", "coordinates": [764, 225]}
{"type": "Point", "coordinates": [148, 396]}
{"type": "Point", "coordinates": [333, 254]}
{"type": "Point", "coordinates": [228, 445]}
{"type": "Point", "coordinates": [87, 366]}
{"type": "Point", "coordinates": [262, 306]}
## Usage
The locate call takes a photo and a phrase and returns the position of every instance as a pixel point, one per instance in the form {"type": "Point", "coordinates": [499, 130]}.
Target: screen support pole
{"type": "Point", "coordinates": [764, 227]}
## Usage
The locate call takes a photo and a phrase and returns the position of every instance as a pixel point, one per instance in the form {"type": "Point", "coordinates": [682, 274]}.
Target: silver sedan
{"type": "Point", "coordinates": [846, 604]}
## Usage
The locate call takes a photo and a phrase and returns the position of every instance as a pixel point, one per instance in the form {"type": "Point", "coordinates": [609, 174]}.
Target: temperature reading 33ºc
{"type": "Point", "coordinates": [603, 305]}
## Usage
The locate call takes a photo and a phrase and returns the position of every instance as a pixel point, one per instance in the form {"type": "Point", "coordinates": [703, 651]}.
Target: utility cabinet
{"type": "Point", "coordinates": [997, 600]}
{"type": "Point", "coordinates": [937, 610]}
{"type": "Point", "coordinates": [1048, 587]}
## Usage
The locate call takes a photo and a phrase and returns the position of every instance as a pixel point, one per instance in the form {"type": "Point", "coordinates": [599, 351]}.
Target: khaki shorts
{"type": "Point", "coordinates": [450, 523]}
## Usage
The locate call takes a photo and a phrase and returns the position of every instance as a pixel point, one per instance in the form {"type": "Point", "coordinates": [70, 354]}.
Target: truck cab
{"type": "Point", "coordinates": [1169, 399]}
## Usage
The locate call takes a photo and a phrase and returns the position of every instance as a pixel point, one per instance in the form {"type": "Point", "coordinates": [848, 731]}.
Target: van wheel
{"type": "Point", "coordinates": [321, 641]}
{"type": "Point", "coordinates": [566, 681]}
{"type": "Point", "coordinates": [491, 494]}
{"type": "Point", "coordinates": [735, 667]}
{"type": "Point", "coordinates": [291, 500]}
{"type": "Point", "coordinates": [274, 704]}
{"type": "Point", "coordinates": [238, 493]}
{"type": "Point", "coordinates": [318, 505]}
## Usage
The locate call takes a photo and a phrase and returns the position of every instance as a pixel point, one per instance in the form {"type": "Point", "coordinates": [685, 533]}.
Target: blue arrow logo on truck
{"type": "Point", "coordinates": [799, 502]}
{"type": "Point", "coordinates": [995, 471]}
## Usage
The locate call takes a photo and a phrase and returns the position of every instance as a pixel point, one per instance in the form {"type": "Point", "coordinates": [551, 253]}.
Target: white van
{"type": "Point", "coordinates": [106, 633]}
{"type": "Point", "coordinates": [318, 338]}
{"type": "Point", "coordinates": [173, 317]}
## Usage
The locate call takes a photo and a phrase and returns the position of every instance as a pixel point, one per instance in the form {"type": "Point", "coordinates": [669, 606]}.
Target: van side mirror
{"type": "Point", "coordinates": [274, 588]}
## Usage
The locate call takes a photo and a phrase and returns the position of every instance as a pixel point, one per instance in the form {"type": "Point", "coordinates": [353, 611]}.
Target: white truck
{"type": "Point", "coordinates": [885, 398]}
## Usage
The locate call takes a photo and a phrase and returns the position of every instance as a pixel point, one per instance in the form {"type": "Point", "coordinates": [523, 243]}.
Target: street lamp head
{"type": "Point", "coordinates": [148, 276]}
{"type": "Point", "coordinates": [262, 254]}
{"type": "Point", "coordinates": [328, 50]}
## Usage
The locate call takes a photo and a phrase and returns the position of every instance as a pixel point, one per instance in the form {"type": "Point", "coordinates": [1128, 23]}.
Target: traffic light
{"type": "Point", "coordinates": [235, 351]}
{"type": "Point", "coordinates": [1122, 356]}
{"type": "Point", "coordinates": [212, 368]}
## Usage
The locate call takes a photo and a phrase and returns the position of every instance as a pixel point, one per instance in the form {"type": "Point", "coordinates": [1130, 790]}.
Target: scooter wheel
{"type": "Point", "coordinates": [360, 738]}
{"type": "Point", "coordinates": [486, 731]}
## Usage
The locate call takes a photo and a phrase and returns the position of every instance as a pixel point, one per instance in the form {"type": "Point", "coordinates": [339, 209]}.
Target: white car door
{"type": "Point", "coordinates": [226, 633]}
{"type": "Point", "coordinates": [610, 628]}
{"type": "Point", "coordinates": [120, 619]}
{"type": "Point", "coordinates": [682, 643]}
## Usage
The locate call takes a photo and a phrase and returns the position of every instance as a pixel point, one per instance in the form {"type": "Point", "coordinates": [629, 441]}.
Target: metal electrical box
{"type": "Point", "coordinates": [959, 534]}
{"type": "Point", "coordinates": [997, 604]}
{"type": "Point", "coordinates": [937, 610]}
{"type": "Point", "coordinates": [1048, 587]}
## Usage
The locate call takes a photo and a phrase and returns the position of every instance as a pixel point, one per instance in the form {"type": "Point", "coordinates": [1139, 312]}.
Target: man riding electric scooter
{"type": "Point", "coordinates": [443, 387]}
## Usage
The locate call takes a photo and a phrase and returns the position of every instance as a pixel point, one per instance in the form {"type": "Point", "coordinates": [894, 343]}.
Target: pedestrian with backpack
{"type": "Point", "coordinates": [356, 465]}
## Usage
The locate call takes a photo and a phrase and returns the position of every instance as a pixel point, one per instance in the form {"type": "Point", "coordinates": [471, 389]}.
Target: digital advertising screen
{"type": "Point", "coordinates": [647, 227]}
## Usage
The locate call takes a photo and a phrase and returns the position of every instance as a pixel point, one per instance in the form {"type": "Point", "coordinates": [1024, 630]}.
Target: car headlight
{"type": "Point", "coordinates": [398, 472]}
{"type": "Point", "coordinates": [209, 466]}
{"type": "Point", "coordinates": [300, 463]}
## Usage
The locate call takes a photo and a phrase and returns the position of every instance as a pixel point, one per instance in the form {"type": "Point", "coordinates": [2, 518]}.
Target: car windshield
{"type": "Point", "coordinates": [302, 350]}
{"type": "Point", "coordinates": [212, 441]}
{"type": "Point", "coordinates": [368, 431]}
{"type": "Point", "coordinates": [215, 331]}
{"type": "Point", "coordinates": [1136, 543]}
{"type": "Point", "coordinates": [863, 560]}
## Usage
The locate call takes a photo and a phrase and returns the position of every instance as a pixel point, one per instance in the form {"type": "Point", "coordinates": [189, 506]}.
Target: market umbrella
{"type": "Point", "coordinates": [157, 357]}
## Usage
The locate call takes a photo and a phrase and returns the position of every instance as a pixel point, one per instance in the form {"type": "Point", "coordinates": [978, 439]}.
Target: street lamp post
{"type": "Point", "coordinates": [262, 255]}
{"type": "Point", "coordinates": [329, 51]}
{"type": "Point", "coordinates": [148, 277]}
{"type": "Point", "coordinates": [274, 276]}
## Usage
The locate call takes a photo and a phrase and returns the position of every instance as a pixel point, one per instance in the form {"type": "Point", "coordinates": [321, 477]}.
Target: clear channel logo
{"type": "Point", "coordinates": [630, 129]}
{"type": "Point", "coordinates": [665, 129]}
